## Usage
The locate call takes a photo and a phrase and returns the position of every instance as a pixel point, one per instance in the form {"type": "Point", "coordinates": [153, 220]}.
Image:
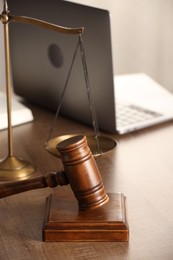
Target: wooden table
{"type": "Point", "coordinates": [141, 167]}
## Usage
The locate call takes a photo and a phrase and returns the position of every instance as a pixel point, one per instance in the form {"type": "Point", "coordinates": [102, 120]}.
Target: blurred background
{"type": "Point", "coordinates": [142, 37]}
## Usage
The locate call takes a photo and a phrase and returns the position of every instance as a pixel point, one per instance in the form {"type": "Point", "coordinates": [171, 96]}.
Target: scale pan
{"type": "Point", "coordinates": [106, 144]}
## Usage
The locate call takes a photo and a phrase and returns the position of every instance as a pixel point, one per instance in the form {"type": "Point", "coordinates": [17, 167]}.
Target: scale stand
{"type": "Point", "coordinates": [11, 168]}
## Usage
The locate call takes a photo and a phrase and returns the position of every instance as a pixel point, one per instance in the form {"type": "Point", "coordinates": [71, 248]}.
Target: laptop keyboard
{"type": "Point", "coordinates": [128, 114]}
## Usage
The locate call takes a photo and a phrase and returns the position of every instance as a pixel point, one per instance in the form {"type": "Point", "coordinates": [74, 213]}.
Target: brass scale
{"type": "Point", "coordinates": [13, 168]}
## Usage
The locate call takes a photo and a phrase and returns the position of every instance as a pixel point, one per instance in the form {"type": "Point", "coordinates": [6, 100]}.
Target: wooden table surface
{"type": "Point", "coordinates": [141, 167]}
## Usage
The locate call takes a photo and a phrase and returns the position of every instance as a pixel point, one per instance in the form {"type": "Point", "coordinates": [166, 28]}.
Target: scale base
{"type": "Point", "coordinates": [64, 222]}
{"type": "Point", "coordinates": [13, 169]}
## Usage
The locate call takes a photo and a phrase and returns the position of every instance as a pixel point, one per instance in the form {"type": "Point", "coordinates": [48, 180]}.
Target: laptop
{"type": "Point", "coordinates": [41, 58]}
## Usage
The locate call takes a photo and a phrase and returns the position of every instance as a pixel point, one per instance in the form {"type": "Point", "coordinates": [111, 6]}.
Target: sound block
{"type": "Point", "coordinates": [64, 222]}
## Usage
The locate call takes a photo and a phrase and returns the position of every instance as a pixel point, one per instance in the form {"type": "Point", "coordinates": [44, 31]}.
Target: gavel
{"type": "Point", "coordinates": [80, 171]}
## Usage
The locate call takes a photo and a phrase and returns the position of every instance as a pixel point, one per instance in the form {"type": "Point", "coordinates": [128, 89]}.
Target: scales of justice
{"type": "Point", "coordinates": [89, 215]}
{"type": "Point", "coordinates": [13, 168]}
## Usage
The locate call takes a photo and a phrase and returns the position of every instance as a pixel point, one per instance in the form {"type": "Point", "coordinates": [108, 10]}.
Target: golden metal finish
{"type": "Point", "coordinates": [50, 26]}
{"type": "Point", "coordinates": [12, 169]}
{"type": "Point", "coordinates": [106, 144]}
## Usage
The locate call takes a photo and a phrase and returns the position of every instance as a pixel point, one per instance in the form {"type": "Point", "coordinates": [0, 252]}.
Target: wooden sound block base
{"type": "Point", "coordinates": [64, 222]}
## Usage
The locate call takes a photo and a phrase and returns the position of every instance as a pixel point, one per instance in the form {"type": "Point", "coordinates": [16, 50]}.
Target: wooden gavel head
{"type": "Point", "coordinates": [82, 172]}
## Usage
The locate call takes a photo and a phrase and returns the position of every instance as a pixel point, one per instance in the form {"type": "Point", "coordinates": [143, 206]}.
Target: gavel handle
{"type": "Point", "coordinates": [51, 180]}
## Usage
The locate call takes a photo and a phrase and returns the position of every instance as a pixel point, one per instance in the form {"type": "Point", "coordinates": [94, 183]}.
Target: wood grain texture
{"type": "Point", "coordinates": [140, 167]}
{"type": "Point", "coordinates": [64, 222]}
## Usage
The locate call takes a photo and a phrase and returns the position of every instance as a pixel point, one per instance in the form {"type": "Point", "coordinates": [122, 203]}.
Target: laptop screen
{"type": "Point", "coordinates": [41, 58]}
